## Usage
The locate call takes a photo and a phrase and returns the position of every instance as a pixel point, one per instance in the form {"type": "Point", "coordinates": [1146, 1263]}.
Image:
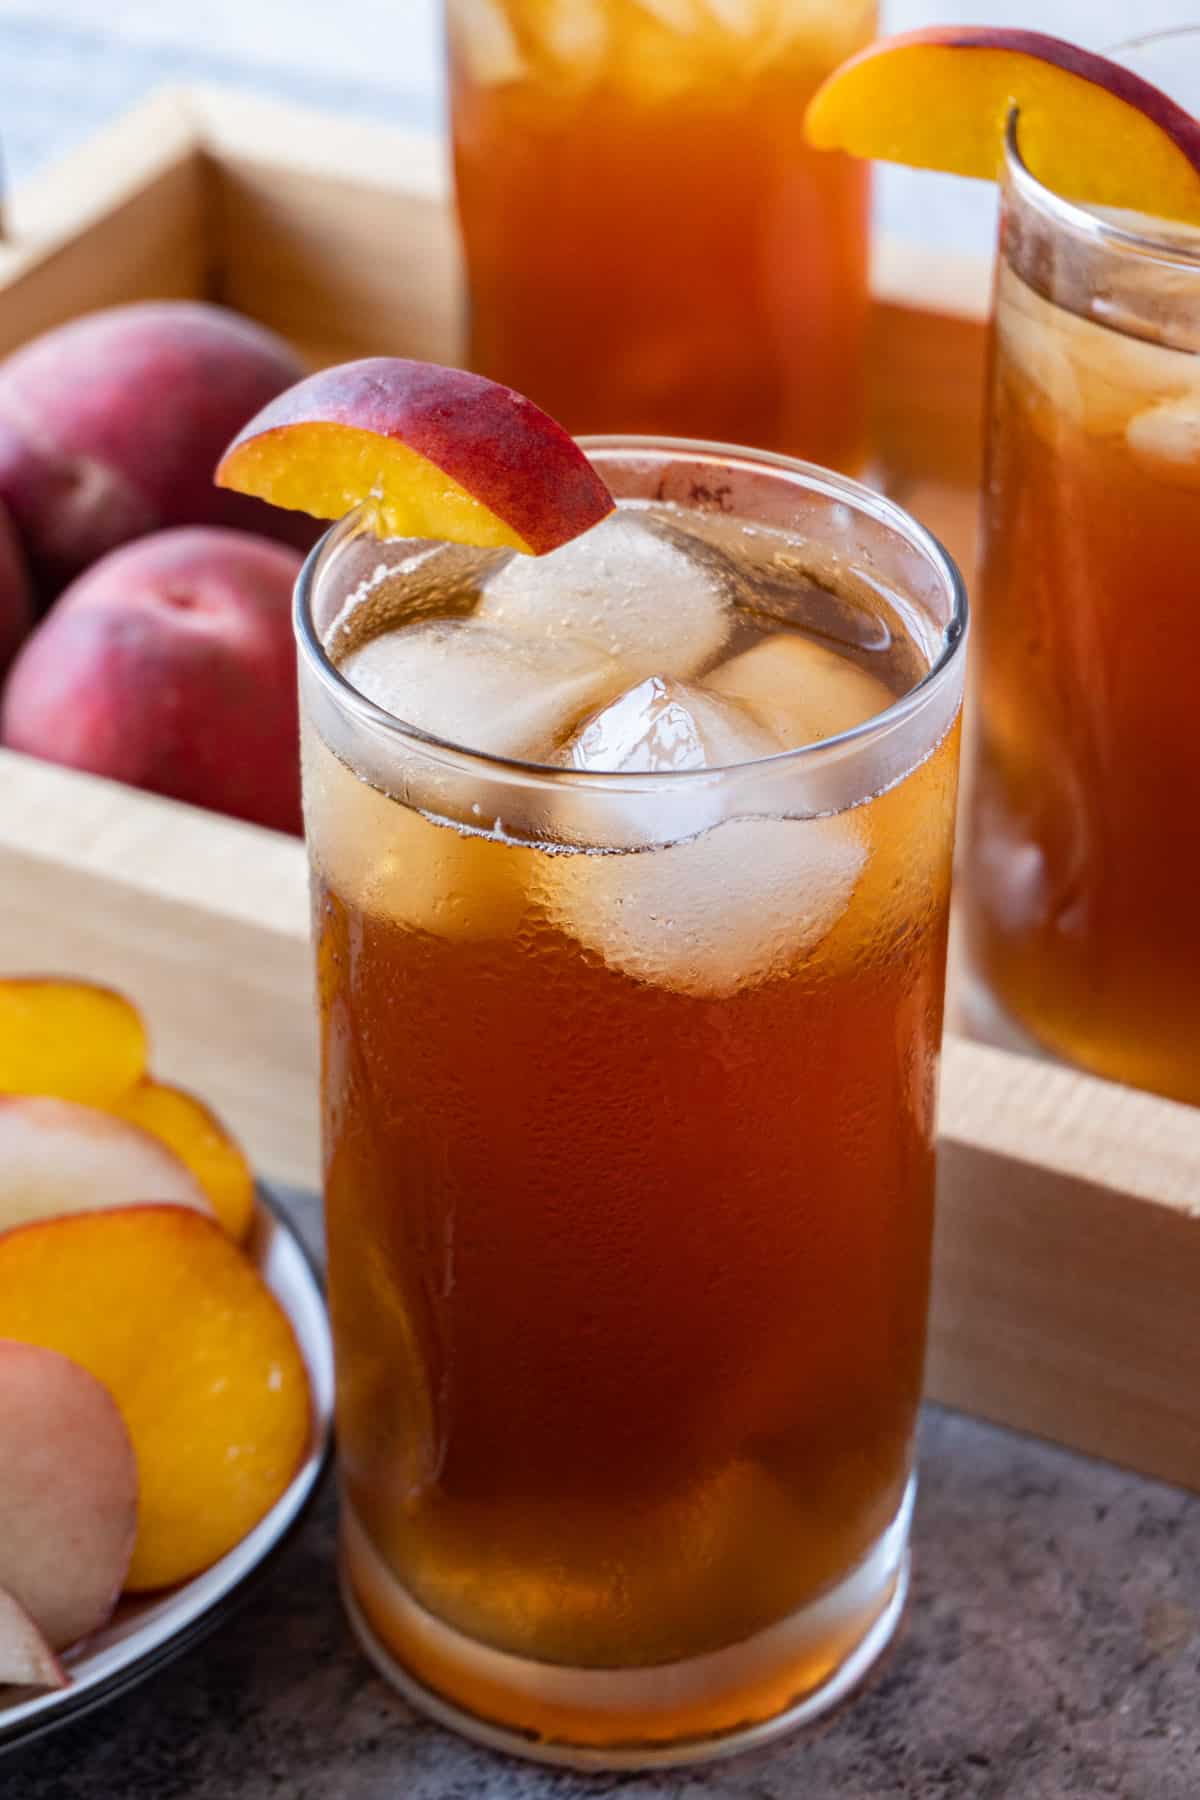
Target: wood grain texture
{"type": "Point", "coordinates": [127, 217]}
{"type": "Point", "coordinates": [1067, 1282]}
{"type": "Point", "coordinates": [203, 921]}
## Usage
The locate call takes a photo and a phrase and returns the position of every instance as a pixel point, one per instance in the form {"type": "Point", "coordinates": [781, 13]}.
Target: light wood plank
{"type": "Point", "coordinates": [337, 233]}
{"type": "Point", "coordinates": [1067, 1290]}
{"type": "Point", "coordinates": [201, 920]}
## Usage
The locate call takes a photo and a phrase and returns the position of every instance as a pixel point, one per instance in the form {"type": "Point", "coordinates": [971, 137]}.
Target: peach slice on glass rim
{"type": "Point", "coordinates": [1090, 129]}
{"type": "Point", "coordinates": [434, 453]}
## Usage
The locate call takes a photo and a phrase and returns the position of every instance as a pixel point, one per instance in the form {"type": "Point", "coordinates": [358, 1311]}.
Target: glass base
{"type": "Point", "coordinates": [664, 1716]}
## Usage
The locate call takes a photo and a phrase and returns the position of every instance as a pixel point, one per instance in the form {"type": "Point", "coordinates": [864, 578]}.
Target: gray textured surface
{"type": "Point", "coordinates": [1052, 1649]}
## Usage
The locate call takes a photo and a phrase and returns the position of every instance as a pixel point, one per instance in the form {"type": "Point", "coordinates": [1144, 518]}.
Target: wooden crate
{"type": "Point", "coordinates": [1067, 1282]}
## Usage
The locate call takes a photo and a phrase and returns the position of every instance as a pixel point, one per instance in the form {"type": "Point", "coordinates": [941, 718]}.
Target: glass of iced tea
{"type": "Point", "coordinates": [651, 245]}
{"type": "Point", "coordinates": [1083, 865]}
{"type": "Point", "coordinates": [630, 869]}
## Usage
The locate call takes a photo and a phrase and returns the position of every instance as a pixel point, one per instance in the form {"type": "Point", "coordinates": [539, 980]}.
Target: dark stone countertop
{"type": "Point", "coordinates": [1052, 1648]}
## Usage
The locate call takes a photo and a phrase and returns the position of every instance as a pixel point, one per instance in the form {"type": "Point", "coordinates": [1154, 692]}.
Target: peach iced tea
{"type": "Point", "coordinates": [651, 243]}
{"type": "Point", "coordinates": [1083, 872]}
{"type": "Point", "coordinates": [630, 1030]}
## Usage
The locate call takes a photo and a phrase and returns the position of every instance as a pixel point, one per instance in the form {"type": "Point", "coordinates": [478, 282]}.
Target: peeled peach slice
{"type": "Point", "coordinates": [1089, 129]}
{"type": "Point", "coordinates": [26, 1659]}
{"type": "Point", "coordinates": [68, 1496]}
{"type": "Point", "coordinates": [69, 1038]}
{"type": "Point", "coordinates": [434, 453]}
{"type": "Point", "coordinates": [57, 1157]}
{"type": "Point", "coordinates": [197, 1353]}
{"type": "Point", "coordinates": [200, 1141]}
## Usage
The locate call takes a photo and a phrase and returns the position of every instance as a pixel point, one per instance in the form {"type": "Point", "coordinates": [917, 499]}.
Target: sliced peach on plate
{"type": "Point", "coordinates": [1089, 129]}
{"type": "Point", "coordinates": [433, 452]}
{"type": "Point", "coordinates": [196, 1351]}
{"type": "Point", "coordinates": [68, 1498]}
{"type": "Point", "coordinates": [57, 1157]}
{"type": "Point", "coordinates": [200, 1141]}
{"type": "Point", "coordinates": [26, 1659]}
{"type": "Point", "coordinates": [69, 1038]}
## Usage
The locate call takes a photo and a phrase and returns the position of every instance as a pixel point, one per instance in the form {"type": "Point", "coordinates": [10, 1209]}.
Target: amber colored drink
{"type": "Point", "coordinates": [628, 1121]}
{"type": "Point", "coordinates": [1084, 870]}
{"type": "Point", "coordinates": [651, 245]}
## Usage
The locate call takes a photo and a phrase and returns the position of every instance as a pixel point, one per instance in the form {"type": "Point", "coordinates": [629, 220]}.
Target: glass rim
{"type": "Point", "coordinates": [810, 476]}
{"type": "Point", "coordinates": [1071, 215]}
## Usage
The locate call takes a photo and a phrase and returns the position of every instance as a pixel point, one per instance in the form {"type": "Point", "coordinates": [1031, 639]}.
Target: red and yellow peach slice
{"type": "Point", "coordinates": [200, 1141]}
{"type": "Point", "coordinates": [432, 452]}
{"type": "Point", "coordinates": [57, 1157]}
{"type": "Point", "coordinates": [179, 1326]}
{"type": "Point", "coordinates": [1089, 129]}
{"type": "Point", "coordinates": [68, 1501]}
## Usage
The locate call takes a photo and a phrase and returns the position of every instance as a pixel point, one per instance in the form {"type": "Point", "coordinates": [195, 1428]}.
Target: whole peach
{"type": "Point", "coordinates": [170, 665]}
{"type": "Point", "coordinates": [16, 594]}
{"type": "Point", "coordinates": [111, 426]}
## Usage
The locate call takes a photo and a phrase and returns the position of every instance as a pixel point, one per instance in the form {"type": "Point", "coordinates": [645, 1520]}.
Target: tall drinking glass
{"type": "Point", "coordinates": [1084, 865]}
{"type": "Point", "coordinates": [628, 1097]}
{"type": "Point", "coordinates": [651, 245]}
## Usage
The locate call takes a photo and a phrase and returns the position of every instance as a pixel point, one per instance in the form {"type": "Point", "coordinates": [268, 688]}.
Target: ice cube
{"type": "Point", "coordinates": [801, 690]}
{"type": "Point", "coordinates": [651, 597]}
{"type": "Point", "coordinates": [1094, 377]}
{"type": "Point", "coordinates": [481, 36]}
{"type": "Point", "coordinates": [663, 724]}
{"type": "Point", "coordinates": [657, 727]}
{"type": "Point", "coordinates": [681, 16]}
{"type": "Point", "coordinates": [483, 686]}
{"type": "Point", "coordinates": [741, 903]}
{"type": "Point", "coordinates": [575, 35]}
{"type": "Point", "coordinates": [715, 906]}
{"type": "Point", "coordinates": [395, 864]}
{"type": "Point", "coordinates": [1166, 439]}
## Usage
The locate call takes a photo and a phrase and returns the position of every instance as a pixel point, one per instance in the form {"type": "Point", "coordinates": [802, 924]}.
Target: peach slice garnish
{"type": "Point", "coordinates": [68, 1495]}
{"type": "Point", "coordinates": [1090, 130]}
{"type": "Point", "coordinates": [200, 1358]}
{"type": "Point", "coordinates": [433, 452]}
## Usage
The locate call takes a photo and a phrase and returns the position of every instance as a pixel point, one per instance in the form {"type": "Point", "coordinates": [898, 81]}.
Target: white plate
{"type": "Point", "coordinates": [146, 1632]}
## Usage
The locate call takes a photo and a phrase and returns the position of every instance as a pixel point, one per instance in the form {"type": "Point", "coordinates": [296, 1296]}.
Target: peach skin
{"type": "Point", "coordinates": [69, 1497]}
{"type": "Point", "coordinates": [434, 452]}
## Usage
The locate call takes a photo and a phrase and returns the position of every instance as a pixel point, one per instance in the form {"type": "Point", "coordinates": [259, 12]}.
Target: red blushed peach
{"type": "Point", "coordinates": [434, 452]}
{"type": "Point", "coordinates": [110, 426]}
{"type": "Point", "coordinates": [16, 594]}
{"type": "Point", "coordinates": [1089, 129]}
{"type": "Point", "coordinates": [170, 665]}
